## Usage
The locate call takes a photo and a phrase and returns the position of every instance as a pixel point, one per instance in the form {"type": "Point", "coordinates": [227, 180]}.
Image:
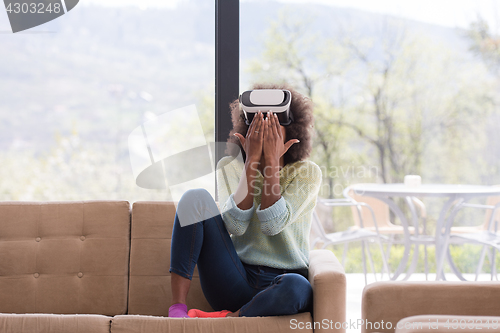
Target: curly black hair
{"type": "Point", "coordinates": [301, 128]}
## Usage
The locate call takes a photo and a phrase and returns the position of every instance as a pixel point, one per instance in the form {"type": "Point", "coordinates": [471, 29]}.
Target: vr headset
{"type": "Point", "coordinates": [275, 100]}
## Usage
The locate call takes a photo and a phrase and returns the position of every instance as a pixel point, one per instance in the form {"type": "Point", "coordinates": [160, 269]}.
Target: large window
{"type": "Point", "coordinates": [399, 89]}
{"type": "Point", "coordinates": [73, 89]}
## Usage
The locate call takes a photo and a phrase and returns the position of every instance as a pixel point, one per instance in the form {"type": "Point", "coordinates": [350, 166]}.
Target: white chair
{"type": "Point", "coordinates": [485, 234]}
{"type": "Point", "coordinates": [351, 235]}
{"type": "Point", "coordinates": [385, 226]}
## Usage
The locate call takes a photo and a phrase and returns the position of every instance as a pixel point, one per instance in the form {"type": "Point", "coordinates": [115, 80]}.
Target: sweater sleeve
{"type": "Point", "coordinates": [229, 172]}
{"type": "Point", "coordinates": [297, 199]}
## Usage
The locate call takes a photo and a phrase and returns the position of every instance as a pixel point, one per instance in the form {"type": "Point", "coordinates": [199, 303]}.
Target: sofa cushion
{"type": "Point", "coordinates": [149, 324]}
{"type": "Point", "coordinates": [42, 323]}
{"type": "Point", "coordinates": [64, 257]}
{"type": "Point", "coordinates": [149, 289]}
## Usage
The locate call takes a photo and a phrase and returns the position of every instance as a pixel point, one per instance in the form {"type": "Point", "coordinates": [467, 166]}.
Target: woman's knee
{"type": "Point", "coordinates": [194, 195]}
{"type": "Point", "coordinates": [294, 294]}
{"type": "Point", "coordinates": [196, 205]}
{"type": "Point", "coordinates": [296, 286]}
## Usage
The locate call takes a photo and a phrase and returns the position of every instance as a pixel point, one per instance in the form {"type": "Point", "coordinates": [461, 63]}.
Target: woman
{"type": "Point", "coordinates": [261, 269]}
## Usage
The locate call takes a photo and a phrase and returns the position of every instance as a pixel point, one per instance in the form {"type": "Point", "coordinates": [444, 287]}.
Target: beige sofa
{"type": "Point", "coordinates": [431, 306]}
{"type": "Point", "coordinates": [102, 266]}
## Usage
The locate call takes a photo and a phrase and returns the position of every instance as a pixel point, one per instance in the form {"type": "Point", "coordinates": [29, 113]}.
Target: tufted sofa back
{"type": "Point", "coordinates": [64, 257]}
{"type": "Point", "coordinates": [149, 290]}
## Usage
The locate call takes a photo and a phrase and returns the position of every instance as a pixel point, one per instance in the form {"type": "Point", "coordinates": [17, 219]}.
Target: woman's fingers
{"type": "Point", "coordinates": [242, 141]}
{"type": "Point", "coordinates": [258, 122]}
{"type": "Point", "coordinates": [252, 126]}
{"type": "Point", "coordinates": [261, 128]}
{"type": "Point", "coordinates": [273, 126]}
{"type": "Point", "coordinates": [288, 144]}
{"type": "Point", "coordinates": [241, 138]}
{"type": "Point", "coordinates": [277, 125]}
{"type": "Point", "coordinates": [265, 129]}
{"type": "Point", "coordinates": [268, 126]}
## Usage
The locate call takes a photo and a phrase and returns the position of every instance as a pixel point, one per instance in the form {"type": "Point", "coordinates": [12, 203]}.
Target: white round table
{"type": "Point", "coordinates": [385, 193]}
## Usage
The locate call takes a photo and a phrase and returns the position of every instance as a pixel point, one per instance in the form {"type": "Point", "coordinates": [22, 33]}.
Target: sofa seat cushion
{"type": "Point", "coordinates": [150, 324]}
{"type": "Point", "coordinates": [44, 323]}
{"type": "Point", "coordinates": [149, 286]}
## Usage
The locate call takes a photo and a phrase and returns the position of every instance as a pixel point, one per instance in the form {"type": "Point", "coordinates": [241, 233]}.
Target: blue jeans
{"type": "Point", "coordinates": [227, 282]}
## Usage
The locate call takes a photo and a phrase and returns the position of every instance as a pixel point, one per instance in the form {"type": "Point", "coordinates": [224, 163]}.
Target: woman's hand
{"type": "Point", "coordinates": [252, 144]}
{"type": "Point", "coordinates": [274, 146]}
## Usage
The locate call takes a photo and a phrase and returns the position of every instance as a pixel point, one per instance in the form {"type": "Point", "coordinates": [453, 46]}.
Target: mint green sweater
{"type": "Point", "coordinates": [277, 236]}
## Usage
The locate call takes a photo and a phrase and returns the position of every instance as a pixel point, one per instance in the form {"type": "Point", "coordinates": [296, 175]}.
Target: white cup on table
{"type": "Point", "coordinates": [412, 180]}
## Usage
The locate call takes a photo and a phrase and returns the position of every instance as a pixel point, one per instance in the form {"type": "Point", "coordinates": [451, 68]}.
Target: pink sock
{"type": "Point", "coordinates": [178, 310]}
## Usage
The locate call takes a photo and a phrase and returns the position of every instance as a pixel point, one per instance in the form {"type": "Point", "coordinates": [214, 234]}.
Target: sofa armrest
{"type": "Point", "coordinates": [327, 277]}
{"type": "Point", "coordinates": [394, 300]}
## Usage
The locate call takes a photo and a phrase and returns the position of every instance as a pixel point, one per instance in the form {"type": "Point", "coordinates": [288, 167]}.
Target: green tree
{"type": "Point", "coordinates": [395, 91]}
{"type": "Point", "coordinates": [291, 55]}
{"type": "Point", "coordinates": [485, 43]}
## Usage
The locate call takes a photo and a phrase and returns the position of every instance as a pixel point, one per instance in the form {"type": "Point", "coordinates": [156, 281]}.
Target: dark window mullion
{"type": "Point", "coordinates": [227, 65]}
